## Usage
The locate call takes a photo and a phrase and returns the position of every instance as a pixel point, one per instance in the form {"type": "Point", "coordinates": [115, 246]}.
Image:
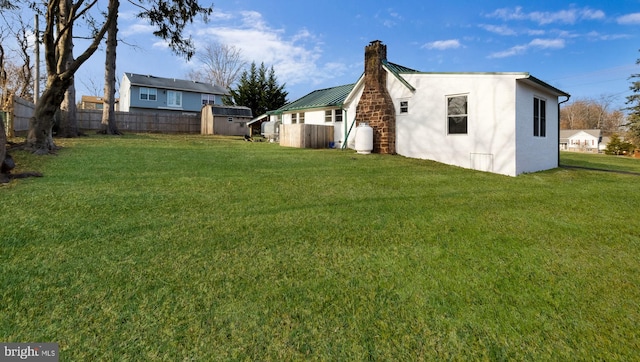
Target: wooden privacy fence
{"type": "Point", "coordinates": [306, 135]}
{"type": "Point", "coordinates": [16, 115]}
{"type": "Point", "coordinates": [142, 122]}
{"type": "Point", "coordinates": [19, 111]}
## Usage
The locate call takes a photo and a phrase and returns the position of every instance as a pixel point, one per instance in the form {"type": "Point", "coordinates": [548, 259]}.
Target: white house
{"type": "Point", "coordinates": [586, 140]}
{"type": "Point", "coordinates": [505, 123]}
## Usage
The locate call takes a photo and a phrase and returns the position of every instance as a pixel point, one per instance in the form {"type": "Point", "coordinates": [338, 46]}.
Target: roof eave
{"type": "Point", "coordinates": [547, 86]}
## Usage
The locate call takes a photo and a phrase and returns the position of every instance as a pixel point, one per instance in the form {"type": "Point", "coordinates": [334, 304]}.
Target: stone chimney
{"type": "Point", "coordinates": [376, 106]}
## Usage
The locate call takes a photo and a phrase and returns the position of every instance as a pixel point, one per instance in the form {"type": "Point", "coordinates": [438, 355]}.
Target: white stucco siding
{"type": "Point", "coordinates": [349, 129]}
{"type": "Point", "coordinates": [422, 132]}
{"type": "Point", "coordinates": [535, 153]}
{"type": "Point", "coordinates": [315, 117]}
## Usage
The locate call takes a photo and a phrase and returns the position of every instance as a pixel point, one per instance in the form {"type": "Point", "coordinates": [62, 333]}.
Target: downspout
{"type": "Point", "coordinates": [344, 145]}
{"type": "Point", "coordinates": [559, 103]}
{"type": "Point", "coordinates": [344, 134]}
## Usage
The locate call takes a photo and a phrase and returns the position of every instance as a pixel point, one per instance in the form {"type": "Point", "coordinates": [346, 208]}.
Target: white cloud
{"type": "Point", "coordinates": [295, 57]}
{"type": "Point", "coordinates": [516, 50]}
{"type": "Point", "coordinates": [390, 19]}
{"type": "Point", "coordinates": [535, 43]}
{"type": "Point", "coordinates": [138, 28]}
{"type": "Point", "coordinates": [547, 43]}
{"type": "Point", "coordinates": [568, 16]}
{"type": "Point", "coordinates": [629, 19]}
{"type": "Point", "coordinates": [594, 35]}
{"type": "Point", "coordinates": [443, 44]}
{"type": "Point", "coordinates": [500, 30]}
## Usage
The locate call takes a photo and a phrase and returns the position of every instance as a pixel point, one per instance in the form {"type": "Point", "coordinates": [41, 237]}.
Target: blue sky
{"type": "Point", "coordinates": [586, 48]}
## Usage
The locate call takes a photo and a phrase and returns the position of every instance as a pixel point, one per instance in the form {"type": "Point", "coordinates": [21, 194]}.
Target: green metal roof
{"type": "Point", "coordinates": [397, 68]}
{"type": "Point", "coordinates": [321, 98]}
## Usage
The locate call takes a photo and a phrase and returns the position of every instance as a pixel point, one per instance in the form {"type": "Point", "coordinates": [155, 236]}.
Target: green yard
{"type": "Point", "coordinates": [155, 247]}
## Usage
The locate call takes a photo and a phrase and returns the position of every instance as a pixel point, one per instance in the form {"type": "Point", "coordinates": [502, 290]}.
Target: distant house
{"type": "Point", "coordinates": [96, 103]}
{"type": "Point", "coordinates": [148, 93]}
{"type": "Point", "coordinates": [585, 140]}
{"type": "Point", "coordinates": [505, 123]}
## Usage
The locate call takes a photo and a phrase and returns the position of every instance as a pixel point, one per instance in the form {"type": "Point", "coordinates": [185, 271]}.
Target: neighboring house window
{"type": "Point", "coordinates": [338, 115]}
{"type": "Point", "coordinates": [328, 115]}
{"type": "Point", "coordinates": [294, 118]}
{"type": "Point", "coordinates": [301, 117]}
{"type": "Point", "coordinates": [457, 116]}
{"type": "Point", "coordinates": [230, 119]}
{"type": "Point", "coordinates": [208, 99]}
{"type": "Point", "coordinates": [148, 94]}
{"type": "Point", "coordinates": [404, 106]}
{"type": "Point", "coordinates": [174, 99]}
{"type": "Point", "coordinates": [539, 117]}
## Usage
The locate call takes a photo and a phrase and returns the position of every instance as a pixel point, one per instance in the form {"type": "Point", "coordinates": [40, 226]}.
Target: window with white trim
{"type": "Point", "coordinates": [301, 117]}
{"type": "Point", "coordinates": [404, 106]}
{"type": "Point", "coordinates": [328, 115]}
{"type": "Point", "coordinates": [174, 99]}
{"type": "Point", "coordinates": [338, 116]}
{"type": "Point", "coordinates": [457, 115]}
{"type": "Point", "coordinates": [208, 99]}
{"type": "Point", "coordinates": [148, 94]}
{"type": "Point", "coordinates": [539, 117]}
{"type": "Point", "coordinates": [294, 118]}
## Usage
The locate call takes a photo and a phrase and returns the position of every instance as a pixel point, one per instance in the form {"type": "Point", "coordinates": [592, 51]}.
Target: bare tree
{"type": "Point", "coordinates": [60, 72]}
{"type": "Point", "coordinates": [3, 90]}
{"type": "Point", "coordinates": [91, 85]}
{"type": "Point", "coordinates": [591, 114]}
{"type": "Point", "coordinates": [3, 134]}
{"type": "Point", "coordinates": [221, 65]}
{"type": "Point", "coordinates": [168, 17]}
{"type": "Point", "coordinates": [108, 111]}
{"type": "Point", "coordinates": [67, 115]}
{"type": "Point", "coordinates": [24, 72]}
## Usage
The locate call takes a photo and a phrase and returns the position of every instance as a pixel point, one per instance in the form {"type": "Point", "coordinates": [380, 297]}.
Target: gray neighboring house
{"type": "Point", "coordinates": [147, 93]}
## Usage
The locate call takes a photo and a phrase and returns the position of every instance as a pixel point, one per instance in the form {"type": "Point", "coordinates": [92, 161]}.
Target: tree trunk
{"type": "Point", "coordinates": [68, 115]}
{"type": "Point", "coordinates": [4, 177]}
{"type": "Point", "coordinates": [40, 136]}
{"type": "Point", "coordinates": [108, 112]}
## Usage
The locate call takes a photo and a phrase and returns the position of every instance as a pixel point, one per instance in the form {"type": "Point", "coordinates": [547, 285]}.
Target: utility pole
{"type": "Point", "coordinates": [36, 84]}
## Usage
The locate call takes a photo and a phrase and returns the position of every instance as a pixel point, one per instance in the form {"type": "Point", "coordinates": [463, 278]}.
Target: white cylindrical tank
{"type": "Point", "coordinates": [364, 139]}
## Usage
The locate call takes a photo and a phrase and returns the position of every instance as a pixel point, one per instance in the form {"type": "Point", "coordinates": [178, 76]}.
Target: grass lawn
{"type": "Point", "coordinates": [155, 247]}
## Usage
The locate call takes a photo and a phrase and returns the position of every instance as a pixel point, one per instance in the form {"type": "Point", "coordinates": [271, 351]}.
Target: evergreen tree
{"type": "Point", "coordinates": [616, 146]}
{"type": "Point", "coordinates": [634, 108]}
{"type": "Point", "coordinates": [276, 96]}
{"type": "Point", "coordinates": [258, 91]}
